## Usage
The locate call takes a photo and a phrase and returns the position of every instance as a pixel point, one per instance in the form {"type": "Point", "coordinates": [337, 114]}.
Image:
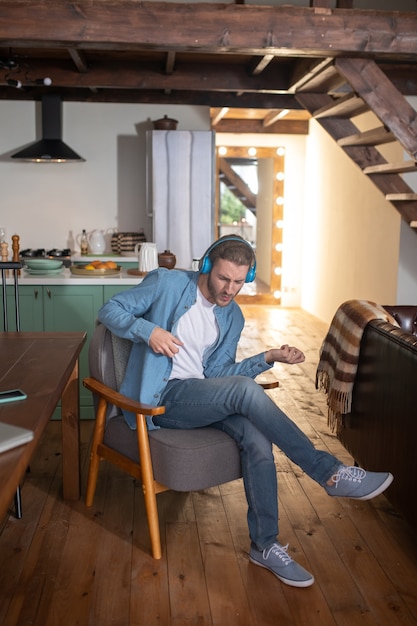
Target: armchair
{"type": "Point", "coordinates": [162, 459]}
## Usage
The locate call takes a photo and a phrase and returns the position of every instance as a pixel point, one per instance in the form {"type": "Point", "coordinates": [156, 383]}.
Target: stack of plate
{"type": "Point", "coordinates": [43, 266]}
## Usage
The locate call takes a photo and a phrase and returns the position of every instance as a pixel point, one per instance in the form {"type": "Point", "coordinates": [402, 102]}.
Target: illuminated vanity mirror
{"type": "Point", "coordinates": [250, 202]}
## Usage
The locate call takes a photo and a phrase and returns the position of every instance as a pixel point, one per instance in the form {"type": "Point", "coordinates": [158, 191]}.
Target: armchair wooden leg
{"type": "Point", "coordinates": [92, 478]}
{"type": "Point", "coordinates": [148, 485]}
{"type": "Point", "coordinates": [94, 457]}
{"type": "Point", "coordinates": [153, 522]}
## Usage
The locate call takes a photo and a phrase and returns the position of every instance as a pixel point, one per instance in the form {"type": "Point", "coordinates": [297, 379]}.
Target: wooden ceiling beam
{"type": "Point", "coordinates": [274, 116]}
{"type": "Point", "coordinates": [144, 96]}
{"type": "Point", "coordinates": [218, 77]}
{"type": "Point", "coordinates": [78, 59]}
{"type": "Point", "coordinates": [218, 115]}
{"type": "Point", "coordinates": [221, 28]}
{"type": "Point", "coordinates": [257, 65]}
{"type": "Point", "coordinates": [290, 127]}
{"type": "Point", "coordinates": [170, 62]}
{"type": "Point", "coordinates": [135, 75]}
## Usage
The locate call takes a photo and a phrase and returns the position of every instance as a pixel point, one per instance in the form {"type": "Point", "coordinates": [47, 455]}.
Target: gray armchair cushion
{"type": "Point", "coordinates": [183, 460]}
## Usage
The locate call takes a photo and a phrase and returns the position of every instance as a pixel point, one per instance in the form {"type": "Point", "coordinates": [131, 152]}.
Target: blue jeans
{"type": "Point", "coordinates": [241, 408]}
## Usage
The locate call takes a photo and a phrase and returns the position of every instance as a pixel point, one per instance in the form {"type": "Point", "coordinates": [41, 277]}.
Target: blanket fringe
{"type": "Point", "coordinates": [338, 402]}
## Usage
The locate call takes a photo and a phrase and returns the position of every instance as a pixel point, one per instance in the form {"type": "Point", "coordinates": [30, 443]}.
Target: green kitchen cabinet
{"type": "Point", "coordinates": [30, 308]}
{"type": "Point", "coordinates": [74, 308]}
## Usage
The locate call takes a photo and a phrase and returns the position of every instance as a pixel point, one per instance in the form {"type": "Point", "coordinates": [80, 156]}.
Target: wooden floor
{"type": "Point", "coordinates": [65, 565]}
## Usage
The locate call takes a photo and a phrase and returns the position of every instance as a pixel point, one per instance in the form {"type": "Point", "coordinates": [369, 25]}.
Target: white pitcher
{"type": "Point", "coordinates": [96, 242]}
{"type": "Point", "coordinates": [147, 256]}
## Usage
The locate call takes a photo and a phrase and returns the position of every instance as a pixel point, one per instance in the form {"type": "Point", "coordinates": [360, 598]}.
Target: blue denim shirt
{"type": "Point", "coordinates": [160, 300]}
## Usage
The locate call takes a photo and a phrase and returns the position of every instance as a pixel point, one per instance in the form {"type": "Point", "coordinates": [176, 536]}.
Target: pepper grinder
{"type": "Point", "coordinates": [5, 254]}
{"type": "Point", "coordinates": [16, 249]}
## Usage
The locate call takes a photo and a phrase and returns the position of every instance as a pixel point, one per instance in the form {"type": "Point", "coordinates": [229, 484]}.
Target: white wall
{"type": "Point", "coordinates": [407, 268]}
{"type": "Point", "coordinates": [351, 233]}
{"type": "Point", "coordinates": [264, 205]}
{"type": "Point", "coordinates": [47, 203]}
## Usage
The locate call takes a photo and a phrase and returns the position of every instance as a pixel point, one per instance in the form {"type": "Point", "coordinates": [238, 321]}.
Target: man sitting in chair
{"type": "Point", "coordinates": [185, 328]}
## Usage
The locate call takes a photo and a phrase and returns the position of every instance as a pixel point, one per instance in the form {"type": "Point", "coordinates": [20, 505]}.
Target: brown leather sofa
{"type": "Point", "coordinates": [381, 430]}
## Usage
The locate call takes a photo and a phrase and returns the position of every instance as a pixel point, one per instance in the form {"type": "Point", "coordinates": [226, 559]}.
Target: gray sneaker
{"type": "Point", "coordinates": [355, 482]}
{"type": "Point", "coordinates": [277, 560]}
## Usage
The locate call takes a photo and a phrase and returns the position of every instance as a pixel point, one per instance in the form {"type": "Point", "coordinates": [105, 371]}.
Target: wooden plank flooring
{"type": "Point", "coordinates": [66, 565]}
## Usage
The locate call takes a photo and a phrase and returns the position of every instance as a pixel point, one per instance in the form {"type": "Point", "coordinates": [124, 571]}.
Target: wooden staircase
{"type": "Point", "coordinates": [337, 90]}
{"type": "Point", "coordinates": [236, 185]}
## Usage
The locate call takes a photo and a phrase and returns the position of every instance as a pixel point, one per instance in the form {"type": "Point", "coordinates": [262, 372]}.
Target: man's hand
{"type": "Point", "coordinates": [163, 342]}
{"type": "Point", "coordinates": [284, 354]}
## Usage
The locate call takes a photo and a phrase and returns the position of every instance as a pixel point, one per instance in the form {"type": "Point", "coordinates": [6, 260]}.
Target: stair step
{"type": "Point", "coordinates": [388, 103]}
{"type": "Point", "coordinates": [347, 106]}
{"type": "Point", "coordinates": [374, 137]}
{"type": "Point", "coordinates": [391, 168]}
{"type": "Point", "coordinates": [400, 197]}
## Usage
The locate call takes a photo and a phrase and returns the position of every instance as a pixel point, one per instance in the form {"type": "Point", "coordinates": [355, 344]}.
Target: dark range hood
{"type": "Point", "coordinates": [51, 148]}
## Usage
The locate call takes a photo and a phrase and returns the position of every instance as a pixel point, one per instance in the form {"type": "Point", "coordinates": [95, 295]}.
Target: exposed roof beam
{"type": "Point", "coordinates": [197, 98]}
{"type": "Point", "coordinates": [209, 27]}
{"type": "Point", "coordinates": [290, 127]}
{"type": "Point", "coordinates": [219, 114]}
{"type": "Point", "coordinates": [274, 116]}
{"type": "Point", "coordinates": [192, 76]}
{"type": "Point", "coordinates": [79, 59]}
{"type": "Point", "coordinates": [258, 65]}
{"type": "Point", "coordinates": [170, 62]}
{"type": "Point", "coordinates": [216, 77]}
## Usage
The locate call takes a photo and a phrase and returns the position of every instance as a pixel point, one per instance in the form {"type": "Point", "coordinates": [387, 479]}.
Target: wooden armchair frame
{"type": "Point", "coordinates": [142, 471]}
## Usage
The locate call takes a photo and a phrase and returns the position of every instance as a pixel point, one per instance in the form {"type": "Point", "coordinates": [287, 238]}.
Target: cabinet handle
{"type": "Point", "coordinates": [36, 294]}
{"type": "Point", "coordinates": [48, 291]}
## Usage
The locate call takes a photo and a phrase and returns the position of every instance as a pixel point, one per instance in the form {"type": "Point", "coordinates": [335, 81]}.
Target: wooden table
{"type": "Point", "coordinates": [45, 366]}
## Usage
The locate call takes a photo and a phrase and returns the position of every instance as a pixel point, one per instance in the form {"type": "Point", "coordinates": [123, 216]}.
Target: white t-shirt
{"type": "Point", "coordinates": [198, 330]}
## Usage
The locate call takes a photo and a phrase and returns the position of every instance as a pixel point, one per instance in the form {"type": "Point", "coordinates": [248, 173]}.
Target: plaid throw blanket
{"type": "Point", "coordinates": [339, 354]}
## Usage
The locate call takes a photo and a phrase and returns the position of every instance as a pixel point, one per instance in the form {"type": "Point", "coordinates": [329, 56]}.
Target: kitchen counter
{"type": "Point", "coordinates": [66, 278]}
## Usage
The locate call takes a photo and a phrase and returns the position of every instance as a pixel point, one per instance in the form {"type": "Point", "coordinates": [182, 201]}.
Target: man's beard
{"type": "Point", "coordinates": [216, 296]}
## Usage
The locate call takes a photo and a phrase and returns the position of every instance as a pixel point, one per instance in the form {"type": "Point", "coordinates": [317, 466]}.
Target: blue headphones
{"type": "Point", "coordinates": [205, 264]}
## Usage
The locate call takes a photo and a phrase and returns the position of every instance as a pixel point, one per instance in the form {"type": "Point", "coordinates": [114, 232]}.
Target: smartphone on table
{"type": "Point", "coordinates": [11, 395]}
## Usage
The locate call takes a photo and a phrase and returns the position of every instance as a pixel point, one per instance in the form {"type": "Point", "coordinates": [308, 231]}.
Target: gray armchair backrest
{"type": "Point", "coordinates": [121, 352]}
{"type": "Point", "coordinates": [100, 357]}
{"type": "Point", "coordinates": [107, 358]}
